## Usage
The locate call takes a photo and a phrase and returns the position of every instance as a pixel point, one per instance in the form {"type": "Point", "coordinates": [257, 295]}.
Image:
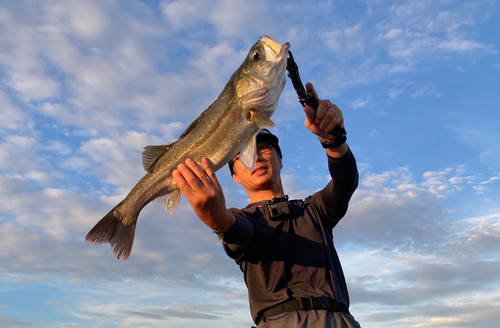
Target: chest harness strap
{"type": "Point", "coordinates": [305, 304]}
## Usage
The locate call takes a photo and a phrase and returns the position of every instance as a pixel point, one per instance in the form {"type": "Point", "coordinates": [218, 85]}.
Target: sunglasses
{"type": "Point", "coordinates": [262, 148]}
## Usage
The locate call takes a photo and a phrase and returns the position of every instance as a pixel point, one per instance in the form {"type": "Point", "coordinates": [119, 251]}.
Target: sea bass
{"type": "Point", "coordinates": [227, 127]}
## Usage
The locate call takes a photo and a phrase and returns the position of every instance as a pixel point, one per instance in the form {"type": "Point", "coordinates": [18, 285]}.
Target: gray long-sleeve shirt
{"type": "Point", "coordinates": [295, 257]}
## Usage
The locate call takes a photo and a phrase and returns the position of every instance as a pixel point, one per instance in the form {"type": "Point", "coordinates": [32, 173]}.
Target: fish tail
{"type": "Point", "coordinates": [111, 229]}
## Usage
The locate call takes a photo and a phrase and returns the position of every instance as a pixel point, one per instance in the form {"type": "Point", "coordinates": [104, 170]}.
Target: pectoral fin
{"type": "Point", "coordinates": [248, 154]}
{"type": "Point", "coordinates": [262, 121]}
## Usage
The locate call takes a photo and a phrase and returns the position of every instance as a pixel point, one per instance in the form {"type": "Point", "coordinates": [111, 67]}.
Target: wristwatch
{"type": "Point", "coordinates": [339, 140]}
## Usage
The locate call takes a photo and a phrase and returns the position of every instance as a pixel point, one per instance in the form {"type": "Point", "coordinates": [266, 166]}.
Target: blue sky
{"type": "Point", "coordinates": [85, 85]}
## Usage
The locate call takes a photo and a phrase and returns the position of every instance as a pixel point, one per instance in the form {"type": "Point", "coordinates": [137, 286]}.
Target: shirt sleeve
{"type": "Point", "coordinates": [334, 199]}
{"type": "Point", "coordinates": [237, 238]}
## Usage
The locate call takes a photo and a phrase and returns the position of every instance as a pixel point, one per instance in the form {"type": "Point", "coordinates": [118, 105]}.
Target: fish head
{"type": "Point", "coordinates": [263, 76]}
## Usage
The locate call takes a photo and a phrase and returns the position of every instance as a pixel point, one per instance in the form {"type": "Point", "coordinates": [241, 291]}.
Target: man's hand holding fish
{"type": "Point", "coordinates": [201, 187]}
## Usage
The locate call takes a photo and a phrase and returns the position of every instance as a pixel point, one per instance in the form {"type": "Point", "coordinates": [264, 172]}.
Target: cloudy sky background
{"type": "Point", "coordinates": [85, 85]}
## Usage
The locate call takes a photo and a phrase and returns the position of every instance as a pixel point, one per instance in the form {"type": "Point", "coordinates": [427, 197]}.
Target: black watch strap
{"type": "Point", "coordinates": [339, 140]}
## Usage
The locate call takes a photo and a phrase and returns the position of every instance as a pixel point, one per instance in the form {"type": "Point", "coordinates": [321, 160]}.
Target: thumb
{"type": "Point", "coordinates": [310, 88]}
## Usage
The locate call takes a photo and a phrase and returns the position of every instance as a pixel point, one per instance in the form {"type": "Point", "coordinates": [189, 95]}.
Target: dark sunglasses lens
{"type": "Point", "coordinates": [264, 147]}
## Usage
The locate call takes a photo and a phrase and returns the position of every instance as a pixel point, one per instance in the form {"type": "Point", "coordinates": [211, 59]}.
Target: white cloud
{"type": "Point", "coordinates": [459, 45]}
{"type": "Point", "coordinates": [346, 42]}
{"type": "Point", "coordinates": [492, 179]}
{"type": "Point", "coordinates": [418, 260]}
{"type": "Point", "coordinates": [34, 86]}
{"type": "Point", "coordinates": [229, 17]}
{"type": "Point", "coordinates": [234, 17]}
{"type": "Point", "coordinates": [440, 182]}
{"type": "Point", "coordinates": [293, 188]}
{"type": "Point", "coordinates": [12, 117]}
{"type": "Point", "coordinates": [85, 17]}
{"type": "Point", "coordinates": [57, 211]}
{"type": "Point", "coordinates": [86, 85]}
{"type": "Point", "coordinates": [114, 160]}
{"type": "Point", "coordinates": [8, 321]}
{"type": "Point", "coordinates": [412, 47]}
{"type": "Point", "coordinates": [57, 147]}
{"type": "Point", "coordinates": [174, 306]}
{"type": "Point", "coordinates": [406, 246]}
{"type": "Point", "coordinates": [426, 90]}
{"type": "Point", "coordinates": [19, 154]}
{"type": "Point", "coordinates": [360, 102]}
{"type": "Point", "coordinates": [184, 14]}
{"type": "Point", "coordinates": [171, 131]}
{"type": "Point", "coordinates": [394, 93]}
{"type": "Point", "coordinates": [395, 204]}
{"type": "Point", "coordinates": [480, 136]}
{"type": "Point", "coordinates": [45, 229]}
{"type": "Point", "coordinates": [416, 30]}
{"type": "Point", "coordinates": [394, 33]}
{"type": "Point", "coordinates": [31, 175]}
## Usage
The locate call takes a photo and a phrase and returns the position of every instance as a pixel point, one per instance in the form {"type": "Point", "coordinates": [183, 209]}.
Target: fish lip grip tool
{"type": "Point", "coordinates": [307, 98]}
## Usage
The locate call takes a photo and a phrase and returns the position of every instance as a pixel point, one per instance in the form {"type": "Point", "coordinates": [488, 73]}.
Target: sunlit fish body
{"type": "Point", "coordinates": [226, 128]}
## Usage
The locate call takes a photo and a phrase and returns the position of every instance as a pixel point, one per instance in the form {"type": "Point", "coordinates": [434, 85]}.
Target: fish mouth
{"type": "Point", "coordinates": [274, 48]}
{"type": "Point", "coordinates": [278, 50]}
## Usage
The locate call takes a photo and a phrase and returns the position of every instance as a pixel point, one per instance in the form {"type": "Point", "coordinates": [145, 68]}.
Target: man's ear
{"type": "Point", "coordinates": [236, 179]}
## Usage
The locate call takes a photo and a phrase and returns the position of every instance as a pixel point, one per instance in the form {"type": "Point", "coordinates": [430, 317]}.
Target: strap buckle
{"type": "Point", "coordinates": [314, 303]}
{"type": "Point", "coordinates": [304, 303]}
{"type": "Point", "coordinates": [317, 303]}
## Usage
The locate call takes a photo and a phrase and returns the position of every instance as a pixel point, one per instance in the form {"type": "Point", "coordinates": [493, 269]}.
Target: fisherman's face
{"type": "Point", "coordinates": [267, 170]}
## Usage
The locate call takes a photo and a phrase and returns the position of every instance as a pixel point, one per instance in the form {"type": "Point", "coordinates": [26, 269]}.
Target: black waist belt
{"type": "Point", "coordinates": [305, 304]}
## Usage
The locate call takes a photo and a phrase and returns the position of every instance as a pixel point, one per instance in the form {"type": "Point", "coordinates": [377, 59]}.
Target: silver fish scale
{"type": "Point", "coordinates": [218, 134]}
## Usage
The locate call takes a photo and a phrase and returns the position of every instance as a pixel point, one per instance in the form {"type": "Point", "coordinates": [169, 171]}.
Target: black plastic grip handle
{"type": "Point", "coordinates": [306, 98]}
{"type": "Point", "coordinates": [337, 131]}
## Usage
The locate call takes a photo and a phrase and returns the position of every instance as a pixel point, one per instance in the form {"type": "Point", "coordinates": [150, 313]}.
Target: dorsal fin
{"type": "Point", "coordinates": [195, 122]}
{"type": "Point", "coordinates": [151, 154]}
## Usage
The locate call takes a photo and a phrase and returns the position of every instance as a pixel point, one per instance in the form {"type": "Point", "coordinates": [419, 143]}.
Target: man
{"type": "Point", "coordinates": [284, 248]}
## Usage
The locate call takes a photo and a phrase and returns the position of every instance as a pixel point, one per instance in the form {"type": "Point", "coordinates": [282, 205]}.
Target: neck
{"type": "Point", "coordinates": [259, 195]}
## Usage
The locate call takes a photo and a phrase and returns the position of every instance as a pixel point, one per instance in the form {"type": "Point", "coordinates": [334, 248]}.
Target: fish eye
{"type": "Point", "coordinates": [255, 55]}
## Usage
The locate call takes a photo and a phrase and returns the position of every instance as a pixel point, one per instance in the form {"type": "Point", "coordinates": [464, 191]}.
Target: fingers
{"type": "Point", "coordinates": [326, 110]}
{"type": "Point", "coordinates": [181, 182]}
{"type": "Point", "coordinates": [198, 170]}
{"type": "Point", "coordinates": [327, 116]}
{"type": "Point", "coordinates": [314, 117]}
{"type": "Point", "coordinates": [196, 176]}
{"type": "Point", "coordinates": [209, 168]}
{"type": "Point", "coordinates": [190, 177]}
{"type": "Point", "coordinates": [330, 117]}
